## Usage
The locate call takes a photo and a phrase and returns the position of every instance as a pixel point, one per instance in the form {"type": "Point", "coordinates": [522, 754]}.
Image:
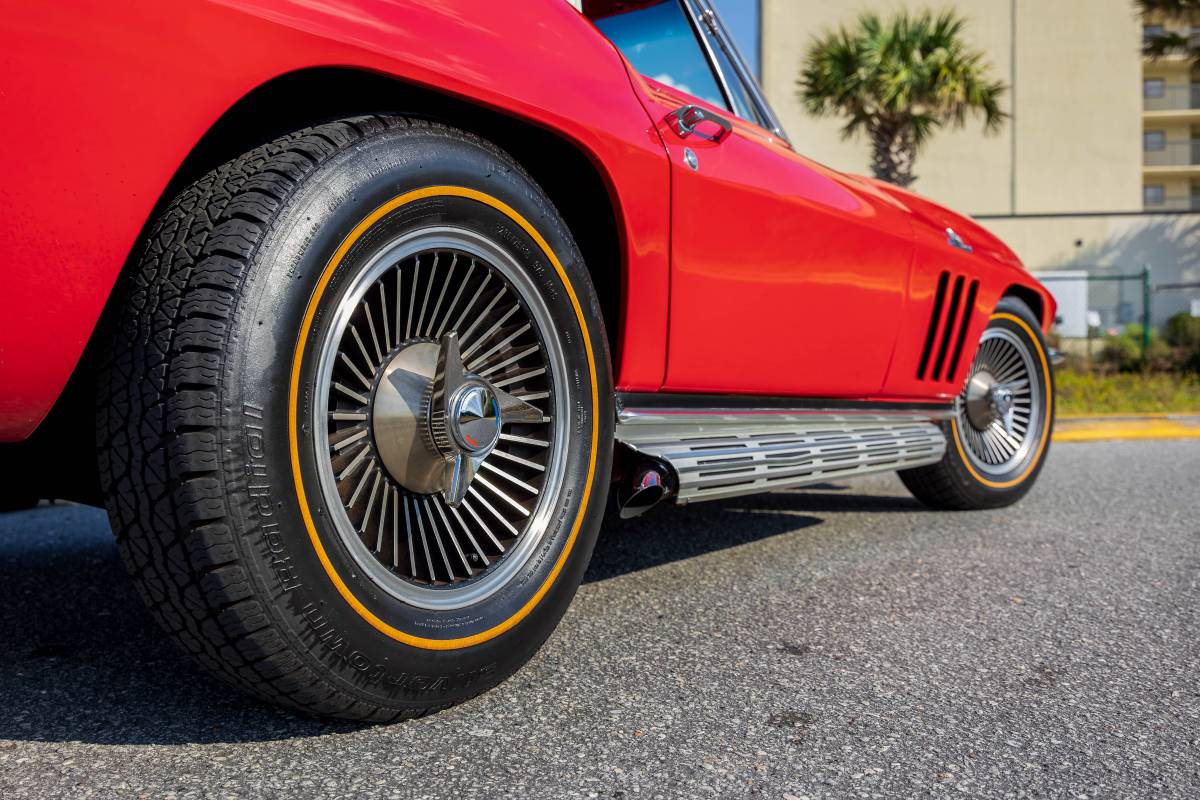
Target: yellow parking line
{"type": "Point", "coordinates": [1159, 428]}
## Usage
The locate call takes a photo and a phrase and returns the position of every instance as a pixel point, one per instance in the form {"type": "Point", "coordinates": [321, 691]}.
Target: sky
{"type": "Point", "coordinates": [741, 17]}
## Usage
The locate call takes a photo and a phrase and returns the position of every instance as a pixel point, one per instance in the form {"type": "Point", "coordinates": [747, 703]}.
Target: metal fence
{"type": "Point", "coordinates": [1117, 308]}
{"type": "Point", "coordinates": [1110, 299]}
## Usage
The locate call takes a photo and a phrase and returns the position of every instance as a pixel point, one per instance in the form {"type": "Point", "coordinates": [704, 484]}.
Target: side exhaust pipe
{"type": "Point", "coordinates": [650, 484]}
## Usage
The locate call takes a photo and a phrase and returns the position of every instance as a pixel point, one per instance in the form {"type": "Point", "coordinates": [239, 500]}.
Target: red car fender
{"type": "Point", "coordinates": [103, 101]}
{"type": "Point", "coordinates": [992, 256]}
{"type": "Point", "coordinates": [978, 257]}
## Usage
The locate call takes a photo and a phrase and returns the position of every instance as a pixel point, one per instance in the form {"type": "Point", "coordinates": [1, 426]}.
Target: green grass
{"type": "Point", "coordinates": [1082, 393]}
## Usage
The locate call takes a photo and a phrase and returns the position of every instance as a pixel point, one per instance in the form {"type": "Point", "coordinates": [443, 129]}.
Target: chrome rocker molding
{"type": "Point", "coordinates": [744, 446]}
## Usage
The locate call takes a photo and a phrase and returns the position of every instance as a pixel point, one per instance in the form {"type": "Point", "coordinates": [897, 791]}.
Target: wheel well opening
{"type": "Point", "coordinates": [564, 171]}
{"type": "Point", "coordinates": [1030, 298]}
{"type": "Point", "coordinates": [575, 185]}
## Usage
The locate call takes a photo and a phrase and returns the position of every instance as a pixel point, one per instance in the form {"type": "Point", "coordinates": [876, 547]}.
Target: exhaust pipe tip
{"type": "Point", "coordinates": [646, 490]}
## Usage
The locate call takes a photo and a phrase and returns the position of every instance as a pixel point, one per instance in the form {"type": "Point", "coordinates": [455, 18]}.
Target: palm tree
{"type": "Point", "coordinates": [899, 81]}
{"type": "Point", "coordinates": [1169, 42]}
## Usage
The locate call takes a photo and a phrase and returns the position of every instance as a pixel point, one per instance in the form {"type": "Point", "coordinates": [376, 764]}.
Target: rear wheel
{"type": "Point", "coordinates": [356, 412]}
{"type": "Point", "coordinates": [1003, 420]}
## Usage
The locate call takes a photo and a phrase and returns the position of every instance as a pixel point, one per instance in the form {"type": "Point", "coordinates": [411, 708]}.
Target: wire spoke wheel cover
{"type": "Point", "coordinates": [437, 417]}
{"type": "Point", "coordinates": [1001, 410]}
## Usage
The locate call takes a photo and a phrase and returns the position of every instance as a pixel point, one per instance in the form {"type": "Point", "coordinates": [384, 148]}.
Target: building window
{"type": "Point", "coordinates": [1153, 88]}
{"type": "Point", "coordinates": [1153, 194]}
{"type": "Point", "coordinates": [1152, 32]}
{"type": "Point", "coordinates": [1154, 140]}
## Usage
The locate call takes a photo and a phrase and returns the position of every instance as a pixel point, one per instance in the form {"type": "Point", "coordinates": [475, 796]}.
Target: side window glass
{"type": "Point", "coordinates": [660, 43]}
{"type": "Point", "coordinates": [743, 106]}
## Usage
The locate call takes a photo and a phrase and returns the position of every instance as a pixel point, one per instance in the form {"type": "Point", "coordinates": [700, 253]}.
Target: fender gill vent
{"type": "Point", "coordinates": [968, 307]}
{"type": "Point", "coordinates": [948, 325]}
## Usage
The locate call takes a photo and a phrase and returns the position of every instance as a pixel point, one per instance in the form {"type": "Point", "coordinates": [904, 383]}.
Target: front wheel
{"type": "Point", "coordinates": [999, 435]}
{"type": "Point", "coordinates": [357, 422]}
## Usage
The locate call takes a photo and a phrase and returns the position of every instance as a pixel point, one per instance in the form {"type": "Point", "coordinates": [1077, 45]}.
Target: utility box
{"type": "Point", "coordinates": [1070, 291]}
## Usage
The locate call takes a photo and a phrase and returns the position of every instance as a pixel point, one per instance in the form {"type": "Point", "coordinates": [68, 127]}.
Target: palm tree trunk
{"type": "Point", "coordinates": [894, 154]}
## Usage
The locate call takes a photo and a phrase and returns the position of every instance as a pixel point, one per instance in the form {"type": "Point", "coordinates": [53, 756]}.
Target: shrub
{"type": "Point", "coordinates": [1124, 351]}
{"type": "Point", "coordinates": [1191, 363]}
{"type": "Point", "coordinates": [1183, 330]}
{"type": "Point", "coordinates": [1121, 352]}
{"type": "Point", "coordinates": [1126, 393]}
{"type": "Point", "coordinates": [1183, 334]}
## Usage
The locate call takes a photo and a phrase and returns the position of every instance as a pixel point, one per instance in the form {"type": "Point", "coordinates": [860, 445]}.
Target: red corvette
{"type": "Point", "coordinates": [360, 303]}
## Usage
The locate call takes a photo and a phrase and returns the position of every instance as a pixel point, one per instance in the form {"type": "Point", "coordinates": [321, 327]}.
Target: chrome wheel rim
{"type": "Point", "coordinates": [999, 412]}
{"type": "Point", "coordinates": [425, 300]}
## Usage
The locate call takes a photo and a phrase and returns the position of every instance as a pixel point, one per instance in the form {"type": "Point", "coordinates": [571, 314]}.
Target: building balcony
{"type": "Point", "coordinates": [1183, 203]}
{"type": "Point", "coordinates": [1175, 98]}
{"type": "Point", "coordinates": [1174, 154]}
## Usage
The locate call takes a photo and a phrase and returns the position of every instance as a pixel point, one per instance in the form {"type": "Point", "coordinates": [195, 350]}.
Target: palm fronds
{"type": "Point", "coordinates": [899, 80]}
{"type": "Point", "coordinates": [1169, 42]}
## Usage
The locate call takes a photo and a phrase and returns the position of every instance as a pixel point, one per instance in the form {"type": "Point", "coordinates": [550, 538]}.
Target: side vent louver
{"type": "Point", "coordinates": [939, 300]}
{"type": "Point", "coordinates": [947, 326]}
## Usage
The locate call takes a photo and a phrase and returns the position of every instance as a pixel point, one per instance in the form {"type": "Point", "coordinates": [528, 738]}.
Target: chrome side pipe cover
{"type": "Point", "coordinates": [719, 453]}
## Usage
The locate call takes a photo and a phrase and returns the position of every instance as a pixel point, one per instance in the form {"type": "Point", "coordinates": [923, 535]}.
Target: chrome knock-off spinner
{"type": "Point", "coordinates": [434, 423]}
{"type": "Point", "coordinates": [988, 401]}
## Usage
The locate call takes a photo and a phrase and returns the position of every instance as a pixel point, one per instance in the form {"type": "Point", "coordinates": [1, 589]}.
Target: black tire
{"type": "Point", "coordinates": [197, 426]}
{"type": "Point", "coordinates": [954, 483]}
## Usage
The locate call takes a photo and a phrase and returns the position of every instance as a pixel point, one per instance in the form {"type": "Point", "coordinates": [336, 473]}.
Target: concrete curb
{"type": "Point", "coordinates": [1115, 427]}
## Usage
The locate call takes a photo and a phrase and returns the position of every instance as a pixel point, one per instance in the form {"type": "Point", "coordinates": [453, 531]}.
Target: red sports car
{"type": "Point", "coordinates": [353, 311]}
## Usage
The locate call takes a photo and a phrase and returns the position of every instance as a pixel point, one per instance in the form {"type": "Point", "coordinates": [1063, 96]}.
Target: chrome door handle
{"type": "Point", "coordinates": [685, 121]}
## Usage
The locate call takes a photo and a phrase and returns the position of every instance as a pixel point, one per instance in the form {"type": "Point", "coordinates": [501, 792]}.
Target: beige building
{"type": "Point", "coordinates": [1070, 180]}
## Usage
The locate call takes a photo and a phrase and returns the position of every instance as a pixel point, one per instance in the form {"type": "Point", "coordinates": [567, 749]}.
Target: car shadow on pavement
{"type": "Point", "coordinates": [670, 533]}
{"type": "Point", "coordinates": [82, 660]}
{"type": "Point", "coordinates": [828, 498]}
{"type": "Point", "coordinates": [677, 533]}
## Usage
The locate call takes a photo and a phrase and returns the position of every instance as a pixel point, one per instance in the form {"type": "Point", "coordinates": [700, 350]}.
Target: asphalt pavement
{"type": "Point", "coordinates": [834, 642]}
